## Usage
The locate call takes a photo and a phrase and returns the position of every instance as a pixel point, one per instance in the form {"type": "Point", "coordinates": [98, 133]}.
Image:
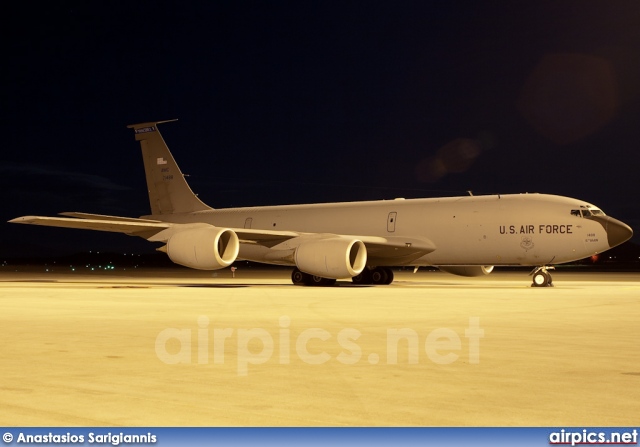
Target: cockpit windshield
{"type": "Point", "coordinates": [587, 212]}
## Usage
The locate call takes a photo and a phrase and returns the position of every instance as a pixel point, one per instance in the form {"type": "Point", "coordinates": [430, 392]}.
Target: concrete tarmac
{"type": "Point", "coordinates": [179, 348]}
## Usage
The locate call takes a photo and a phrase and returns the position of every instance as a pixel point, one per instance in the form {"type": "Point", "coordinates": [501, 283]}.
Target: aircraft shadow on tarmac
{"type": "Point", "coordinates": [232, 286]}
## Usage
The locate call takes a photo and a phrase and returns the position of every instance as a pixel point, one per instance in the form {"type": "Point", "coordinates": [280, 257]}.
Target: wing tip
{"type": "Point", "coordinates": [23, 219]}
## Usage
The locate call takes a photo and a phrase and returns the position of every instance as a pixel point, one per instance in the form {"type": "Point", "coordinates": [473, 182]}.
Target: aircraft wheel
{"type": "Point", "coordinates": [379, 275]}
{"type": "Point", "coordinates": [320, 281]}
{"type": "Point", "coordinates": [389, 275]}
{"type": "Point", "coordinates": [299, 278]}
{"type": "Point", "coordinates": [363, 278]}
{"type": "Point", "coordinates": [541, 279]}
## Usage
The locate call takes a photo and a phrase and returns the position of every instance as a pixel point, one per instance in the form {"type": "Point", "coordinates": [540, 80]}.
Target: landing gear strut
{"type": "Point", "coordinates": [541, 277]}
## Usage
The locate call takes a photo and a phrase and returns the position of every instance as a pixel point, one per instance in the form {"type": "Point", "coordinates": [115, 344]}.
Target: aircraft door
{"type": "Point", "coordinates": [391, 222]}
{"type": "Point", "coordinates": [248, 222]}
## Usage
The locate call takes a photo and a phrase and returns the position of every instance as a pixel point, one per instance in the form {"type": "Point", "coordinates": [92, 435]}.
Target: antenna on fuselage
{"type": "Point", "coordinates": [470, 192]}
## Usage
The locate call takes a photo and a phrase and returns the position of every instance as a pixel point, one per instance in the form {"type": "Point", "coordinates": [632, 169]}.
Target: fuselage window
{"type": "Point", "coordinates": [576, 213]}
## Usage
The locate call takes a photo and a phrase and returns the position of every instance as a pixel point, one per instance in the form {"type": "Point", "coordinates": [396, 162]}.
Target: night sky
{"type": "Point", "coordinates": [294, 102]}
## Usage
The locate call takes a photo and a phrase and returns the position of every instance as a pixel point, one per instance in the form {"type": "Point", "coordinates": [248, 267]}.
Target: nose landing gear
{"type": "Point", "coordinates": [542, 277]}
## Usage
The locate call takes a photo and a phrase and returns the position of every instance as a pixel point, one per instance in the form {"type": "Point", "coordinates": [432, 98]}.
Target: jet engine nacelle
{"type": "Point", "coordinates": [203, 248]}
{"type": "Point", "coordinates": [467, 270]}
{"type": "Point", "coordinates": [332, 258]}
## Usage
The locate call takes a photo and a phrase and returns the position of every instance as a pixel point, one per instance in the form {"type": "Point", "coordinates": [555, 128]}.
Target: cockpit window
{"type": "Point", "coordinates": [587, 212]}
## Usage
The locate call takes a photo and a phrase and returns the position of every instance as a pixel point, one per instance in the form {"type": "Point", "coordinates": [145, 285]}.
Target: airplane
{"type": "Point", "coordinates": [467, 235]}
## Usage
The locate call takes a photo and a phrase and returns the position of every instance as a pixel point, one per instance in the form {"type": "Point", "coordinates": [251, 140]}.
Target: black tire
{"type": "Point", "coordinates": [316, 281]}
{"type": "Point", "coordinates": [379, 275]}
{"type": "Point", "coordinates": [541, 279]}
{"type": "Point", "coordinates": [389, 275]}
{"type": "Point", "coordinates": [320, 281]}
{"type": "Point", "coordinates": [363, 278]}
{"type": "Point", "coordinates": [299, 278]}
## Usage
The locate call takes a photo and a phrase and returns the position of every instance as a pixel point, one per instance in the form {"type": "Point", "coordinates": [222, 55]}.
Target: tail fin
{"type": "Point", "coordinates": [169, 192]}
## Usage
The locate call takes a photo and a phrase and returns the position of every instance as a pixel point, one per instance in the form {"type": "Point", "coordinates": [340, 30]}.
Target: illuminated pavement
{"type": "Point", "coordinates": [98, 350]}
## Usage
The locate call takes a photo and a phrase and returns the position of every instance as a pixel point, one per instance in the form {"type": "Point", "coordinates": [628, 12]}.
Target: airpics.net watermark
{"type": "Point", "coordinates": [256, 346]}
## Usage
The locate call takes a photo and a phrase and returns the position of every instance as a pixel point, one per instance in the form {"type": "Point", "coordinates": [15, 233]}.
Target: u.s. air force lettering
{"type": "Point", "coordinates": [539, 229]}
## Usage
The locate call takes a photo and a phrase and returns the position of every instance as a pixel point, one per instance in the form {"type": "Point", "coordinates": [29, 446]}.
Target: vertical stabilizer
{"type": "Point", "coordinates": [169, 192]}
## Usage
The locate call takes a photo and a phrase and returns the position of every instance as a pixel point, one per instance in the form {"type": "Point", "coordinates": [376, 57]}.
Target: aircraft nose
{"type": "Point", "coordinates": [617, 231]}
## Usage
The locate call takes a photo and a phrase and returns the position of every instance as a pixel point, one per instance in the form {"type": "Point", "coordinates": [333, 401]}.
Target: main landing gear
{"type": "Point", "coordinates": [304, 279]}
{"type": "Point", "coordinates": [377, 275]}
{"type": "Point", "coordinates": [541, 276]}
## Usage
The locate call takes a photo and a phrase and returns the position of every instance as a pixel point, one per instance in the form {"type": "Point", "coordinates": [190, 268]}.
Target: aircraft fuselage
{"type": "Point", "coordinates": [515, 229]}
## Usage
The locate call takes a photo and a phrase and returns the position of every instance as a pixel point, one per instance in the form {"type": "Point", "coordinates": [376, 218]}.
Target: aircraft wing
{"type": "Point", "coordinates": [390, 250]}
{"type": "Point", "coordinates": [107, 217]}
{"type": "Point", "coordinates": [383, 250]}
{"type": "Point", "coordinates": [153, 230]}
{"type": "Point", "coordinates": [396, 246]}
{"type": "Point", "coordinates": [127, 225]}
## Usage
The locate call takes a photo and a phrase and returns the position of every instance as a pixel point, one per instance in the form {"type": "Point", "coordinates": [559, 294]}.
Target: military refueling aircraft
{"type": "Point", "coordinates": [466, 235]}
